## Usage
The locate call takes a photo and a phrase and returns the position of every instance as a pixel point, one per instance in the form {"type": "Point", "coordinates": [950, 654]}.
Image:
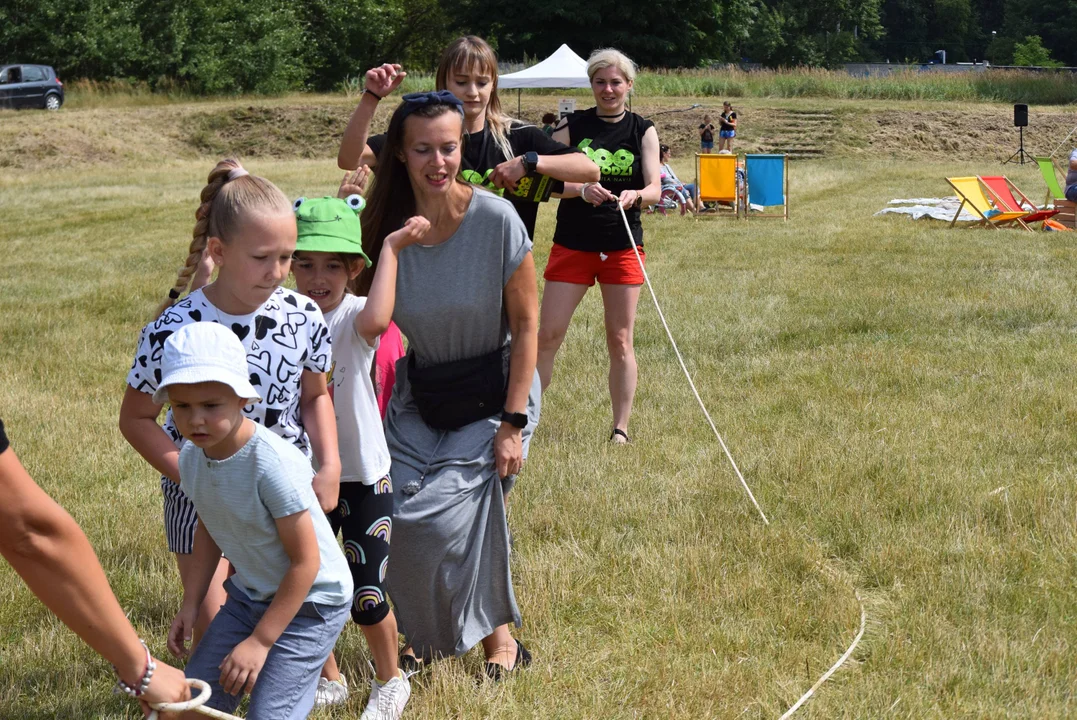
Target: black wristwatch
{"type": "Point", "coordinates": [530, 161]}
{"type": "Point", "coordinates": [517, 420]}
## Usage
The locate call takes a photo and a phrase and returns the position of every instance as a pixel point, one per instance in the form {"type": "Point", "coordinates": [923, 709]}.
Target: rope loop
{"type": "Point", "coordinates": [197, 703]}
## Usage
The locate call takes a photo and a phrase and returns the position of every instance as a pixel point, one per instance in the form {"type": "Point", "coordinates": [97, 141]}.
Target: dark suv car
{"type": "Point", "coordinates": [34, 86]}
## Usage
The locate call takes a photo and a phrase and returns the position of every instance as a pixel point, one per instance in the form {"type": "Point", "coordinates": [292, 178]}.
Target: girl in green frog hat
{"type": "Point", "coordinates": [329, 255]}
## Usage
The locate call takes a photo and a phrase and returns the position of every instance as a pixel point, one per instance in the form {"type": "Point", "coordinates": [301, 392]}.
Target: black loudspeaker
{"type": "Point", "coordinates": [1020, 115]}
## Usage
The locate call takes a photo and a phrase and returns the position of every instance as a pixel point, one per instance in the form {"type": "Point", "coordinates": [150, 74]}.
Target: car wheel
{"type": "Point", "coordinates": [52, 102]}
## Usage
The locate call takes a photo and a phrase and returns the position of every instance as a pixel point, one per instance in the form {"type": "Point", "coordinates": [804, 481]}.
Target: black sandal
{"type": "Point", "coordinates": [497, 672]}
{"type": "Point", "coordinates": [622, 433]}
{"type": "Point", "coordinates": [410, 664]}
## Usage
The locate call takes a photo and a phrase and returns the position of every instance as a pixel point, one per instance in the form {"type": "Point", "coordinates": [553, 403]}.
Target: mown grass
{"type": "Point", "coordinates": [899, 397]}
{"type": "Point", "coordinates": [992, 86]}
{"type": "Point", "coordinates": [1002, 86]}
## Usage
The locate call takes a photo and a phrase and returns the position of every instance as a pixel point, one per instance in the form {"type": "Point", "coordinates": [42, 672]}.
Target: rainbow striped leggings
{"type": "Point", "coordinates": [365, 516]}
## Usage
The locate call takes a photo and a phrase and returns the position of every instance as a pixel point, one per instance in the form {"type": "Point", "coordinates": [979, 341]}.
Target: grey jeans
{"type": "Point", "coordinates": [286, 684]}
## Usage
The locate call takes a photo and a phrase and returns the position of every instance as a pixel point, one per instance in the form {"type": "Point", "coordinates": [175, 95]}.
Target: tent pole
{"type": "Point", "coordinates": [519, 92]}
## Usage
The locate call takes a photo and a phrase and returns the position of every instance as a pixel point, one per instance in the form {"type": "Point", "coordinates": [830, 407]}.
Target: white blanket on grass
{"type": "Point", "coordinates": [935, 208]}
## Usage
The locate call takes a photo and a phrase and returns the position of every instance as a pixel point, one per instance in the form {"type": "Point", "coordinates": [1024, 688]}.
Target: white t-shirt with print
{"type": "Point", "coordinates": [284, 337]}
{"type": "Point", "coordinates": [364, 456]}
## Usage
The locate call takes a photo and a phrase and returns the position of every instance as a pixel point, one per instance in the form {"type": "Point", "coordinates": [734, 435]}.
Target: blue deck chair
{"type": "Point", "coordinates": [767, 180]}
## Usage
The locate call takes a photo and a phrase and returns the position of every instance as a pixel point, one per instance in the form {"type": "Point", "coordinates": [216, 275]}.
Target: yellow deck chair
{"type": "Point", "coordinates": [716, 181]}
{"type": "Point", "coordinates": [972, 194]}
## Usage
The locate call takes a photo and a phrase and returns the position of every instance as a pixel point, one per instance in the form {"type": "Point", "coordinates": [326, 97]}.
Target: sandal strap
{"type": "Point", "coordinates": [619, 431]}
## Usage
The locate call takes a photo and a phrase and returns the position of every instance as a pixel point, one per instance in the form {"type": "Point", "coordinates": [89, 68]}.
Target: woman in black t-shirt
{"type": "Point", "coordinates": [498, 151]}
{"type": "Point", "coordinates": [590, 242]}
{"type": "Point", "coordinates": [728, 131]}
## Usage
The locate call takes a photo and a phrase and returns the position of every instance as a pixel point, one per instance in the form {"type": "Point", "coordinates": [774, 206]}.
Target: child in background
{"type": "Point", "coordinates": [728, 130]}
{"type": "Point", "coordinates": [329, 255]}
{"type": "Point", "coordinates": [706, 136]}
{"type": "Point", "coordinates": [548, 122]}
{"type": "Point", "coordinates": [288, 599]}
{"type": "Point", "coordinates": [247, 226]}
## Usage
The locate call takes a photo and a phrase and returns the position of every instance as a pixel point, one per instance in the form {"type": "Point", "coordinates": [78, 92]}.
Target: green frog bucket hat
{"type": "Point", "coordinates": [330, 224]}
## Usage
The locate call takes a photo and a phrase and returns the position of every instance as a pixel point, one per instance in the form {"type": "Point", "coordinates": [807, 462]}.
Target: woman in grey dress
{"type": "Point", "coordinates": [466, 398]}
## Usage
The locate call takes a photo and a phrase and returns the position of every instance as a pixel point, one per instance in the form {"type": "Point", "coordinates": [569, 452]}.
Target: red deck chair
{"type": "Point", "coordinates": [1009, 198]}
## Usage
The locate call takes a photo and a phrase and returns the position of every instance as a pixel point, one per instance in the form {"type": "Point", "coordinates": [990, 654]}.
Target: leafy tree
{"type": "Point", "coordinates": [1032, 52]}
{"type": "Point", "coordinates": [675, 33]}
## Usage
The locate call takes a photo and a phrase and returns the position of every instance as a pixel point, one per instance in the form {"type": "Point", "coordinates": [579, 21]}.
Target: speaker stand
{"type": "Point", "coordinates": [1020, 156]}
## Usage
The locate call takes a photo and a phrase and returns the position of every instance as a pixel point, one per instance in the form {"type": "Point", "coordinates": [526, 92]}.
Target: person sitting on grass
{"type": "Point", "coordinates": [682, 194]}
{"type": "Point", "coordinates": [289, 597]}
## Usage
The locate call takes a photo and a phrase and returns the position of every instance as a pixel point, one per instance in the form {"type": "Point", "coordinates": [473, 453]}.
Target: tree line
{"type": "Point", "coordinates": [269, 46]}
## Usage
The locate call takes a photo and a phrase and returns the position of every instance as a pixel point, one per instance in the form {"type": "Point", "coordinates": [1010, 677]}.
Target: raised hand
{"type": "Point", "coordinates": [383, 79]}
{"type": "Point", "coordinates": [354, 182]}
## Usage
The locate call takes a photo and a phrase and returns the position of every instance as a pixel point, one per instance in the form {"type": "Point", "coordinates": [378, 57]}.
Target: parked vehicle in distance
{"type": "Point", "coordinates": [30, 86]}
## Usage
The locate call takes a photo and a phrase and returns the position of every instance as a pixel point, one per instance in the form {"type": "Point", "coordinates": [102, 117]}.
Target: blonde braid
{"type": "Point", "coordinates": [217, 178]}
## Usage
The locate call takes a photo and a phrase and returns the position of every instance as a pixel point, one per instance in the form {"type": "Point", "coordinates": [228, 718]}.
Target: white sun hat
{"type": "Point", "coordinates": [205, 352]}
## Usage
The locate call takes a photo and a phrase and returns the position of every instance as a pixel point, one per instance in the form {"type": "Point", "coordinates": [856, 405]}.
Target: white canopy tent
{"type": "Point", "coordinates": [563, 69]}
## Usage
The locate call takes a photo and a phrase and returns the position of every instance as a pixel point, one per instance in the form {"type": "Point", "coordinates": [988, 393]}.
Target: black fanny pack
{"type": "Point", "coordinates": [454, 394]}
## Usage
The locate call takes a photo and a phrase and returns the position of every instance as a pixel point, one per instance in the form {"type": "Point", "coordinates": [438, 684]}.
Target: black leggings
{"type": "Point", "coordinates": [365, 514]}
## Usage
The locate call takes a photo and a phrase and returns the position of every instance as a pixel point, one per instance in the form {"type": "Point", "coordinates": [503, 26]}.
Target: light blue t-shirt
{"type": "Point", "coordinates": [239, 499]}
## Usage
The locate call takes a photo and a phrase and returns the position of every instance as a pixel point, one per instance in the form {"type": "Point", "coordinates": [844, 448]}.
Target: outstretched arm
{"type": "Point", "coordinates": [52, 555]}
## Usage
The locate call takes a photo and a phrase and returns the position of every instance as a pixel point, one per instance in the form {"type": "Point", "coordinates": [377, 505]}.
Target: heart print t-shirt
{"type": "Point", "coordinates": [284, 337]}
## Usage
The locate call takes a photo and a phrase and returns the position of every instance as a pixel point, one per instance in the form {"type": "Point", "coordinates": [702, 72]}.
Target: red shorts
{"type": "Point", "coordinates": [617, 267]}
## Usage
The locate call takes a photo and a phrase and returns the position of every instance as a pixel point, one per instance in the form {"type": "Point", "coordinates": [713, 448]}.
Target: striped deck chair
{"type": "Point", "coordinates": [1009, 198]}
{"type": "Point", "coordinates": [716, 181]}
{"type": "Point", "coordinates": [1055, 194]}
{"type": "Point", "coordinates": [971, 193]}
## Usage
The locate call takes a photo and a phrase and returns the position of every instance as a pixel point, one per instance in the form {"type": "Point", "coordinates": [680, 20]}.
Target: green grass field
{"type": "Point", "coordinates": [898, 395]}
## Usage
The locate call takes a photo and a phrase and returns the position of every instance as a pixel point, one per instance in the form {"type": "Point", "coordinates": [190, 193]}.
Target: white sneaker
{"type": "Point", "coordinates": [331, 692]}
{"type": "Point", "coordinates": [387, 701]}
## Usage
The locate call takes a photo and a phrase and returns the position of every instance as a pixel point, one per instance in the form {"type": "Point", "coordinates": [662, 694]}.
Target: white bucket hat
{"type": "Point", "coordinates": [205, 352]}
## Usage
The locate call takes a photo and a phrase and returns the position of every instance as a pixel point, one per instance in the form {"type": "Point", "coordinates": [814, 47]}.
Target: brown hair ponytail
{"type": "Point", "coordinates": [229, 194]}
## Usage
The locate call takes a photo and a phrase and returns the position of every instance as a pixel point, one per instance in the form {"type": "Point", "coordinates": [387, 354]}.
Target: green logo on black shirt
{"type": "Point", "coordinates": [475, 178]}
{"type": "Point", "coordinates": [616, 164]}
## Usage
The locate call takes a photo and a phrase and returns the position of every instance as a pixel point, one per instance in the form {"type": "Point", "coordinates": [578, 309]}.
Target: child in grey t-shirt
{"type": "Point", "coordinates": [289, 597]}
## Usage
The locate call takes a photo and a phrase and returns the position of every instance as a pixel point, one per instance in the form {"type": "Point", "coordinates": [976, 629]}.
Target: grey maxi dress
{"type": "Point", "coordinates": [448, 572]}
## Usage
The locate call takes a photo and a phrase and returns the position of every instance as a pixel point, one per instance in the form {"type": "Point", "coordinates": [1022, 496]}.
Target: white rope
{"type": "Point", "coordinates": [632, 242]}
{"type": "Point", "coordinates": [835, 666]}
{"type": "Point", "coordinates": [197, 704]}
{"type": "Point", "coordinates": [863, 615]}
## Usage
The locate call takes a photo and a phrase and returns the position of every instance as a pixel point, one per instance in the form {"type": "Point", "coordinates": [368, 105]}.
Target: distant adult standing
{"type": "Point", "coordinates": [706, 135]}
{"type": "Point", "coordinates": [590, 242]}
{"type": "Point", "coordinates": [728, 127]}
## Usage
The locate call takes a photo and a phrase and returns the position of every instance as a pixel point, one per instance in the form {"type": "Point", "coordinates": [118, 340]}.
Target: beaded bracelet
{"type": "Point", "coordinates": [144, 683]}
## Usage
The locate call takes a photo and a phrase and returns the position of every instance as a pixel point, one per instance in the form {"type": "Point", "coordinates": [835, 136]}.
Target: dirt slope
{"type": "Point", "coordinates": [310, 127]}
